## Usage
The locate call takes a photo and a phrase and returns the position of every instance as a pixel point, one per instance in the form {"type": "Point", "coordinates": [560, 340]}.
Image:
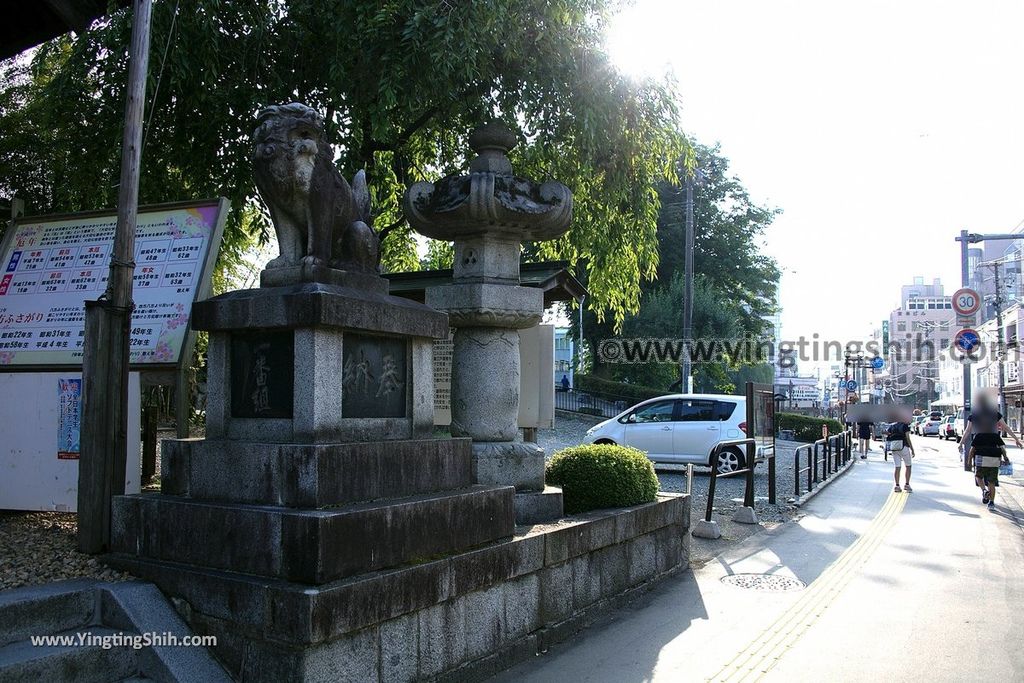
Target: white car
{"type": "Point", "coordinates": [930, 425]}
{"type": "Point", "coordinates": [680, 428]}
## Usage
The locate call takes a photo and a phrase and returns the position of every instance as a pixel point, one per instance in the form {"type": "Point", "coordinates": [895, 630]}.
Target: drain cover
{"type": "Point", "coordinates": [764, 582]}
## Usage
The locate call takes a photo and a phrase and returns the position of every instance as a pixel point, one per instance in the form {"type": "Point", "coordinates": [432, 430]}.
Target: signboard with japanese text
{"type": "Point", "coordinates": [69, 417]}
{"type": "Point", "coordinates": [50, 265]}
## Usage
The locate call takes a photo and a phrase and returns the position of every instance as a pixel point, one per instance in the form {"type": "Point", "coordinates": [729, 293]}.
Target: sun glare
{"type": "Point", "coordinates": [639, 44]}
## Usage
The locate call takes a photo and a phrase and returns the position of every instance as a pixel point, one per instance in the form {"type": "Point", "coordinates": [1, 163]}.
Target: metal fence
{"type": "Point", "coordinates": [590, 403]}
{"type": "Point", "coordinates": [747, 471]}
{"type": "Point", "coordinates": [824, 458]}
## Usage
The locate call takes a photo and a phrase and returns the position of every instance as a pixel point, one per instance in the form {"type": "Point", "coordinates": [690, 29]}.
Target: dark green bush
{"type": "Point", "coordinates": [804, 427]}
{"type": "Point", "coordinates": [602, 476]}
{"type": "Point", "coordinates": [606, 387]}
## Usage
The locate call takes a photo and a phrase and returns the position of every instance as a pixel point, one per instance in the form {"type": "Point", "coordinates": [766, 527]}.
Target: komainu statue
{"type": "Point", "coordinates": [319, 218]}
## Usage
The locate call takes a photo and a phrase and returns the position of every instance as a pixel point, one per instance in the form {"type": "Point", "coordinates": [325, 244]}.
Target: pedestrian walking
{"type": "Point", "coordinates": [985, 419]}
{"type": "Point", "coordinates": [864, 435]}
{"type": "Point", "coordinates": [988, 453]}
{"type": "Point", "coordinates": [899, 445]}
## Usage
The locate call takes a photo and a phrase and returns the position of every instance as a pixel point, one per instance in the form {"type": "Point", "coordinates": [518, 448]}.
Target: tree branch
{"type": "Point", "coordinates": [389, 228]}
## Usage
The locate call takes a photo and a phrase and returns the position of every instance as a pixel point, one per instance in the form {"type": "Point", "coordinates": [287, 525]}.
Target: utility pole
{"type": "Point", "coordinates": [684, 383]}
{"type": "Point", "coordinates": [1000, 341]}
{"type": "Point", "coordinates": [101, 468]}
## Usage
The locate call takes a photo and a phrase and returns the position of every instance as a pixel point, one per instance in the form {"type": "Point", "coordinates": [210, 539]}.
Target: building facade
{"type": "Point", "coordinates": [920, 331]}
{"type": "Point", "coordinates": [565, 349]}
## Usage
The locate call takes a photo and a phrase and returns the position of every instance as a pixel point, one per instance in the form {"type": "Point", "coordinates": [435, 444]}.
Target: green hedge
{"type": "Point", "coordinates": [602, 476]}
{"type": "Point", "coordinates": [806, 428]}
{"type": "Point", "coordinates": [607, 387]}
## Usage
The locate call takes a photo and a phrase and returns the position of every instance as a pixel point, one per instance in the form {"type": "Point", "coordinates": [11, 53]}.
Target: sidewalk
{"type": "Point", "coordinates": [924, 546]}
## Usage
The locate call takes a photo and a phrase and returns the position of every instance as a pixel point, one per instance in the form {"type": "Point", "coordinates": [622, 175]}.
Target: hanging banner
{"type": "Point", "coordinates": [50, 265]}
{"type": "Point", "coordinates": [69, 418]}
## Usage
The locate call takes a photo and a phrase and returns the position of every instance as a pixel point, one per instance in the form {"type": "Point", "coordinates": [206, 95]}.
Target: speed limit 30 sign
{"type": "Point", "coordinates": [966, 301]}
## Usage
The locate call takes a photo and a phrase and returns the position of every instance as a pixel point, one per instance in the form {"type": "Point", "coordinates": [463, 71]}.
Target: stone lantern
{"type": "Point", "coordinates": [488, 214]}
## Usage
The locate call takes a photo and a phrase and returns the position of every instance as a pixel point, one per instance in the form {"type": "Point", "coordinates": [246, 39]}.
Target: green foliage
{"type": "Point", "coordinates": [401, 84]}
{"type": "Point", "coordinates": [440, 256]}
{"type": "Point", "coordinates": [806, 428]}
{"type": "Point", "coordinates": [612, 389]}
{"type": "Point", "coordinates": [735, 284]}
{"type": "Point", "coordinates": [602, 476]}
{"type": "Point", "coordinates": [729, 229]}
{"type": "Point", "coordinates": [761, 373]}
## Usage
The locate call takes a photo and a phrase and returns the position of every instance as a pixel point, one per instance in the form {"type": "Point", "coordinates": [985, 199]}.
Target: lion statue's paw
{"type": "Point", "coordinates": [279, 262]}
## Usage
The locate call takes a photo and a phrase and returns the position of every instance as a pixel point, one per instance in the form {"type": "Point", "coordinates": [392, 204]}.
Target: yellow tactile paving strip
{"type": "Point", "coordinates": [753, 662]}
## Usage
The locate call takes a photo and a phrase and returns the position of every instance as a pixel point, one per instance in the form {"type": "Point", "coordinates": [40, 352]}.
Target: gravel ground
{"type": "Point", "coordinates": [39, 547]}
{"type": "Point", "coordinates": [571, 428]}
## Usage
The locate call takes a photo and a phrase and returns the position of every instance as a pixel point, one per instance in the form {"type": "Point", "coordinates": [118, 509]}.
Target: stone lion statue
{"type": "Point", "coordinates": [318, 217]}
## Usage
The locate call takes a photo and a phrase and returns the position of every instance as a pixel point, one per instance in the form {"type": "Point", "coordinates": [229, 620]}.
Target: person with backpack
{"type": "Point", "coordinates": [984, 420]}
{"type": "Point", "coordinates": [898, 443]}
{"type": "Point", "coordinates": [988, 453]}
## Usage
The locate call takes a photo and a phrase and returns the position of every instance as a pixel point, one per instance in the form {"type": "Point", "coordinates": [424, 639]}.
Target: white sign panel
{"type": "Point", "coordinates": [536, 390]}
{"type": "Point", "coordinates": [537, 367]}
{"type": "Point", "coordinates": [49, 267]}
{"type": "Point", "coordinates": [40, 445]}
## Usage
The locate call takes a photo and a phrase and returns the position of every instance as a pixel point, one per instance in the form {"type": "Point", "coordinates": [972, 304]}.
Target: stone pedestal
{"type": "Point", "coordinates": [488, 214]}
{"type": "Point", "coordinates": [318, 465]}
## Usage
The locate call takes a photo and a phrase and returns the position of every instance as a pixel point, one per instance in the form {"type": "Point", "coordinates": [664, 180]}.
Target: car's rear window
{"type": "Point", "coordinates": [724, 410]}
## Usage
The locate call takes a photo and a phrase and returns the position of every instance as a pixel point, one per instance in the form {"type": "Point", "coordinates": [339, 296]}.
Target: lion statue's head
{"type": "Point", "coordinates": [288, 140]}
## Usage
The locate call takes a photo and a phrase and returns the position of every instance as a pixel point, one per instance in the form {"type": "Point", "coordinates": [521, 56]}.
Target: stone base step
{"type": "Point", "coordinates": [537, 507]}
{"type": "Point", "coordinates": [313, 476]}
{"type": "Point", "coordinates": [50, 608]}
{"type": "Point", "coordinates": [70, 663]}
{"type": "Point", "coordinates": [310, 546]}
{"type": "Point", "coordinates": [98, 610]}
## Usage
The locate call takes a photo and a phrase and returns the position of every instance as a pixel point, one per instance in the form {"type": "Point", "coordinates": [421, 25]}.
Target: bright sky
{"type": "Point", "coordinates": [880, 128]}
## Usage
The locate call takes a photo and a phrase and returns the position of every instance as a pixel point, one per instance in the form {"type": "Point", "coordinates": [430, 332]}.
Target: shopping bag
{"type": "Point", "coordinates": [1006, 469]}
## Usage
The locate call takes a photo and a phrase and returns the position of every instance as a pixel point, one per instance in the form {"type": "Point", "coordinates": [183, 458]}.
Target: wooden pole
{"type": "Point", "coordinates": [104, 442]}
{"type": "Point", "coordinates": [149, 427]}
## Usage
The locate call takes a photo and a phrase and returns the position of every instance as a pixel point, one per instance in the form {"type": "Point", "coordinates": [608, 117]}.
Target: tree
{"type": "Point", "coordinates": [729, 227]}
{"type": "Point", "coordinates": [735, 283]}
{"type": "Point", "coordinates": [401, 84]}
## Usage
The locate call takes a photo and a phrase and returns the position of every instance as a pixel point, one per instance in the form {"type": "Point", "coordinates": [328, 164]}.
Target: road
{"type": "Point", "coordinates": [922, 586]}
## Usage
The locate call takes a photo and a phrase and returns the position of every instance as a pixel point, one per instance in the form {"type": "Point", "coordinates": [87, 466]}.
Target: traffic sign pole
{"type": "Point", "coordinates": [965, 281]}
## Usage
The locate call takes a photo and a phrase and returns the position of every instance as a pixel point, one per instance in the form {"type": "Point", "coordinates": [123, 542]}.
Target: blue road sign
{"type": "Point", "coordinates": [851, 385]}
{"type": "Point", "coordinates": [877, 363]}
{"type": "Point", "coordinates": [967, 339]}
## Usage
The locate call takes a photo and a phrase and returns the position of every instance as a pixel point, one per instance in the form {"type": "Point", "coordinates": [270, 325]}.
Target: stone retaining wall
{"type": "Point", "coordinates": [464, 616]}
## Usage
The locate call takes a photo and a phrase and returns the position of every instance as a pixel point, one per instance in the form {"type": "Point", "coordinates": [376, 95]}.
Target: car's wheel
{"type": "Point", "coordinates": [730, 460]}
{"type": "Point", "coordinates": [605, 442]}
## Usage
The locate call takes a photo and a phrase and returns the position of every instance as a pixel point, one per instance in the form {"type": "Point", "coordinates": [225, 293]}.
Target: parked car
{"type": "Point", "coordinates": [948, 428]}
{"type": "Point", "coordinates": [929, 426]}
{"type": "Point", "coordinates": [959, 423]}
{"type": "Point", "coordinates": [680, 429]}
{"type": "Point", "coordinates": [915, 424]}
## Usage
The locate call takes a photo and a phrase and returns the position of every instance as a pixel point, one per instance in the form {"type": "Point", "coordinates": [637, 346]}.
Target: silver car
{"type": "Point", "coordinates": [680, 428]}
{"type": "Point", "coordinates": [930, 426]}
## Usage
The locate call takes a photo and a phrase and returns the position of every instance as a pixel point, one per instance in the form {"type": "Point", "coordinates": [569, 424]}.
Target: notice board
{"type": "Point", "coordinates": [50, 265]}
{"type": "Point", "coordinates": [39, 449]}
